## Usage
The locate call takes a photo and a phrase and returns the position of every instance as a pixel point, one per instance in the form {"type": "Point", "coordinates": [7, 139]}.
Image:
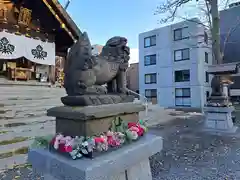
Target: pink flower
{"type": "Point", "coordinates": [136, 127]}
{"type": "Point", "coordinates": [133, 128]}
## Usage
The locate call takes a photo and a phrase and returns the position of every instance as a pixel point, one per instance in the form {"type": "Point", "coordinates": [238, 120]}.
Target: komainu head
{"type": "Point", "coordinates": [116, 50]}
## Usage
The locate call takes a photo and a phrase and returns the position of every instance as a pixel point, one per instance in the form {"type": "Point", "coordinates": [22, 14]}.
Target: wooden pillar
{"type": "Point", "coordinates": [64, 63]}
{"type": "Point", "coordinates": [52, 77]}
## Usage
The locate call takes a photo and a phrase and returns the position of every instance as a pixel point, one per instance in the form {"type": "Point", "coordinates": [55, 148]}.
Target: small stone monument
{"type": "Point", "coordinates": [96, 94]}
{"type": "Point", "coordinates": [218, 110]}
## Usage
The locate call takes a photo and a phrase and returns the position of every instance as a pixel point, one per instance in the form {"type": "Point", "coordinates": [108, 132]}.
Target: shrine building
{"type": "Point", "coordinates": [32, 34]}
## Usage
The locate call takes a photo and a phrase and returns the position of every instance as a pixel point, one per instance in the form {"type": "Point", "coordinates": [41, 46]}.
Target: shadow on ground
{"type": "Point", "coordinates": [191, 154]}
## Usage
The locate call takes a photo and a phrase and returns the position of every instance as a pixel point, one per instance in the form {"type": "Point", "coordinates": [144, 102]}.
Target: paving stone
{"type": "Point", "coordinates": [37, 132]}
{"type": "Point", "coordinates": [8, 163]}
{"type": "Point", "coordinates": [14, 146]}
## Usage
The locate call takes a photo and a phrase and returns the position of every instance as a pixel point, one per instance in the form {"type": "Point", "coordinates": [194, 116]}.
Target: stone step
{"type": "Point", "coordinates": [29, 88]}
{"type": "Point", "coordinates": [32, 102]}
{"type": "Point", "coordinates": [27, 128]}
{"type": "Point", "coordinates": [22, 115]}
{"type": "Point", "coordinates": [8, 163]}
{"type": "Point", "coordinates": [28, 96]}
{"type": "Point", "coordinates": [14, 146]}
{"type": "Point", "coordinates": [36, 106]}
{"type": "Point", "coordinates": [12, 111]}
{"type": "Point", "coordinates": [25, 121]}
{"type": "Point", "coordinates": [27, 92]}
{"type": "Point", "coordinates": [35, 96]}
{"type": "Point", "coordinates": [31, 134]}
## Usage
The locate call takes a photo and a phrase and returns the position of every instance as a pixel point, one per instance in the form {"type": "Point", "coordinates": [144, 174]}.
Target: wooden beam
{"type": "Point", "coordinates": [62, 25]}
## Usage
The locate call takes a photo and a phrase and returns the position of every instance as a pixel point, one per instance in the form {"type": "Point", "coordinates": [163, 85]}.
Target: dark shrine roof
{"type": "Point", "coordinates": [65, 16]}
{"type": "Point", "coordinates": [55, 20]}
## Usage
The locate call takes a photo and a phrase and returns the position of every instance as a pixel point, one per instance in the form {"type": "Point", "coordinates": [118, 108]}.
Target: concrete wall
{"type": "Point", "coordinates": [133, 77]}
{"type": "Point", "coordinates": [165, 65]}
{"type": "Point", "coordinates": [97, 49]}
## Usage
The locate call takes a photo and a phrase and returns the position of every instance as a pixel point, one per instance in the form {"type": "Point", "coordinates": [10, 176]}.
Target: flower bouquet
{"type": "Point", "coordinates": [119, 134]}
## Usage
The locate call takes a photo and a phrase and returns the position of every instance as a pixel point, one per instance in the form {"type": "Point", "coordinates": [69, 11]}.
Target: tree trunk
{"type": "Point", "coordinates": [217, 58]}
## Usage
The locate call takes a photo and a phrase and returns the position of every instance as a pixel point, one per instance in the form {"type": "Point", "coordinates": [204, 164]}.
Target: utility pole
{"type": "Point", "coordinates": [67, 4]}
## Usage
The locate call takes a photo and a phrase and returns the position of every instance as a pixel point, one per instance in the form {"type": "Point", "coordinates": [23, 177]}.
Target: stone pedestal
{"type": "Point", "coordinates": [127, 163]}
{"type": "Point", "coordinates": [219, 119]}
{"type": "Point", "coordinates": [92, 120]}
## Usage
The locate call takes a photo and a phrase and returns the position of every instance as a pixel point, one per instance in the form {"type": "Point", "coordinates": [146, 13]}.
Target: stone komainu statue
{"type": "Point", "coordinates": [86, 74]}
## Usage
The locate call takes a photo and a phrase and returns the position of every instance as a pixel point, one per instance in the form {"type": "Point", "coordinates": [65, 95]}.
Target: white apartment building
{"type": "Point", "coordinates": [173, 63]}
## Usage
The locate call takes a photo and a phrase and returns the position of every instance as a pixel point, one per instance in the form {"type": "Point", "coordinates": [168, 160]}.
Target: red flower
{"type": "Point", "coordinates": [132, 124]}
{"type": "Point", "coordinates": [99, 140]}
{"type": "Point", "coordinates": [68, 148]}
{"type": "Point", "coordinates": [141, 131]}
{"type": "Point", "coordinates": [61, 148]}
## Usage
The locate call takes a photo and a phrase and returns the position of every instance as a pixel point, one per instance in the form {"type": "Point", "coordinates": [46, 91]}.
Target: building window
{"type": "Point", "coordinates": [182, 54]}
{"type": "Point", "coordinates": [182, 76]}
{"type": "Point", "coordinates": [151, 78]}
{"type": "Point", "coordinates": [206, 57]}
{"type": "Point", "coordinates": [206, 77]}
{"type": "Point", "coordinates": [150, 41]}
{"type": "Point", "coordinates": [182, 97]}
{"type": "Point", "coordinates": [180, 34]}
{"type": "Point", "coordinates": [150, 60]}
{"type": "Point", "coordinates": [151, 95]}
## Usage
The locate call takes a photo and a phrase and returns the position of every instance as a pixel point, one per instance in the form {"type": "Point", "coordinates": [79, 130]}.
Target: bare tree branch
{"type": "Point", "coordinates": [209, 19]}
{"type": "Point", "coordinates": [208, 13]}
{"type": "Point", "coordinates": [226, 4]}
{"type": "Point", "coordinates": [194, 21]}
{"type": "Point", "coordinates": [170, 7]}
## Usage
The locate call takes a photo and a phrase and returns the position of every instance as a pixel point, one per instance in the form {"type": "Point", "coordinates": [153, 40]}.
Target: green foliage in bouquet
{"type": "Point", "coordinates": [118, 125]}
{"type": "Point", "coordinates": [42, 142]}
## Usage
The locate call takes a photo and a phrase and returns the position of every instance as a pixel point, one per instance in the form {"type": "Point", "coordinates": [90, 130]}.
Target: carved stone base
{"type": "Point", "coordinates": [130, 162]}
{"type": "Point", "coordinates": [88, 100]}
{"type": "Point", "coordinates": [92, 120]}
{"type": "Point", "coordinates": [219, 119]}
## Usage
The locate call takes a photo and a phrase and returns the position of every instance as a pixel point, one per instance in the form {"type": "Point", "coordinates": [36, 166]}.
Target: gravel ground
{"type": "Point", "coordinates": [191, 154]}
{"type": "Point", "coordinates": [188, 154]}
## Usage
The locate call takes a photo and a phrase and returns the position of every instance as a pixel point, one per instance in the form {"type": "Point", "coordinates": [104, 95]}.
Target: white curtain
{"type": "Point", "coordinates": [15, 46]}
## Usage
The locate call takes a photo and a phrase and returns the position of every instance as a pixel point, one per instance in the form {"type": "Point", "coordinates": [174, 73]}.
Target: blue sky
{"type": "Point", "coordinates": [106, 18]}
{"type": "Point", "coordinates": [103, 19]}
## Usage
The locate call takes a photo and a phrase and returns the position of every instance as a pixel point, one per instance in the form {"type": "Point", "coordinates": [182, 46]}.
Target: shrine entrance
{"type": "Point", "coordinates": [24, 58]}
{"type": "Point", "coordinates": [31, 35]}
